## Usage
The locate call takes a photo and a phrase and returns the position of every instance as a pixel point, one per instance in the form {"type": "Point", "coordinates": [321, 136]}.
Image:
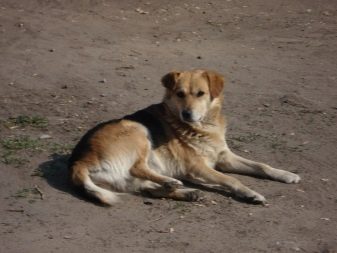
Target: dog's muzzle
{"type": "Point", "coordinates": [187, 116]}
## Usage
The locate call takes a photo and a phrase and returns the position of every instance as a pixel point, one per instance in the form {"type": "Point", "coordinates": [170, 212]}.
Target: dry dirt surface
{"type": "Point", "coordinates": [67, 65]}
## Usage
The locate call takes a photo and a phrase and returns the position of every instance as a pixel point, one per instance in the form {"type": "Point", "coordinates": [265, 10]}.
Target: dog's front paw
{"type": "Point", "coordinates": [251, 196]}
{"type": "Point", "coordinates": [257, 198]}
{"type": "Point", "coordinates": [288, 177]}
{"type": "Point", "coordinates": [172, 184]}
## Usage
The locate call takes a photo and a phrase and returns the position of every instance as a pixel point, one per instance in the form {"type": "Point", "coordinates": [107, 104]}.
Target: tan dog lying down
{"type": "Point", "coordinates": [182, 138]}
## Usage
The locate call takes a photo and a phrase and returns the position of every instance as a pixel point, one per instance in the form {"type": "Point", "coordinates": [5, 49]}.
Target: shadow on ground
{"type": "Point", "coordinates": [55, 172]}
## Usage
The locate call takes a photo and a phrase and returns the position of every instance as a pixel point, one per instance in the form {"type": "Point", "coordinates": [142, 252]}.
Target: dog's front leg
{"type": "Point", "coordinates": [201, 172]}
{"type": "Point", "coordinates": [230, 162]}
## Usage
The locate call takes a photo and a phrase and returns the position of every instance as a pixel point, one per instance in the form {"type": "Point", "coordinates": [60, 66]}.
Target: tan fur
{"type": "Point", "coordinates": [129, 155]}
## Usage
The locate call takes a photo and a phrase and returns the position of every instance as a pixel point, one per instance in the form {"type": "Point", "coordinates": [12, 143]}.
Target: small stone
{"type": "Point", "coordinates": [309, 10]}
{"type": "Point", "coordinates": [214, 202]}
{"type": "Point", "coordinates": [64, 86]}
{"type": "Point", "coordinates": [266, 104]}
{"type": "Point", "coordinates": [102, 95]}
{"type": "Point", "coordinates": [103, 80]}
{"type": "Point", "coordinates": [52, 50]}
{"type": "Point", "coordinates": [45, 136]}
{"type": "Point", "coordinates": [140, 11]}
{"type": "Point", "coordinates": [147, 202]}
{"type": "Point", "coordinates": [326, 13]}
{"type": "Point", "coordinates": [199, 57]}
{"type": "Point", "coordinates": [325, 179]}
{"type": "Point", "coordinates": [326, 219]}
{"type": "Point", "coordinates": [171, 230]}
{"type": "Point", "coordinates": [67, 237]}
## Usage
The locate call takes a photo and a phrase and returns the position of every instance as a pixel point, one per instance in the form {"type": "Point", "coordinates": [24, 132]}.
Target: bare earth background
{"type": "Point", "coordinates": [67, 65]}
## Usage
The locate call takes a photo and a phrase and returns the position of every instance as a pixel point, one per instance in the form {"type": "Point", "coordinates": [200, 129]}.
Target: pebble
{"type": "Point", "coordinates": [140, 11]}
{"type": "Point", "coordinates": [326, 219]}
{"type": "Point", "coordinates": [103, 80]}
{"type": "Point", "coordinates": [45, 136]}
{"type": "Point", "coordinates": [147, 202]}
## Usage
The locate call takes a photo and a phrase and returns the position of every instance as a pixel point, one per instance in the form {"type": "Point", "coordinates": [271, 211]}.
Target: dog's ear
{"type": "Point", "coordinates": [215, 82]}
{"type": "Point", "coordinates": [169, 80]}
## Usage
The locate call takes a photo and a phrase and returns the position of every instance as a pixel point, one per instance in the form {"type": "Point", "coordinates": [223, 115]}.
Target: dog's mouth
{"type": "Point", "coordinates": [190, 121]}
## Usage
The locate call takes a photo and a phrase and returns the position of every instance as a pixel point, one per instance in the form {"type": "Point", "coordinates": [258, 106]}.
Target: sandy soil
{"type": "Point", "coordinates": [66, 65]}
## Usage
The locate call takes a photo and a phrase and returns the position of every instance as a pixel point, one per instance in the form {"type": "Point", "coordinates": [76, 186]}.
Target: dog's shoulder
{"type": "Point", "coordinates": [152, 119]}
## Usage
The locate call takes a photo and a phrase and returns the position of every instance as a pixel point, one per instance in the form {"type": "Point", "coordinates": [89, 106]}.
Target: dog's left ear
{"type": "Point", "coordinates": [215, 82]}
{"type": "Point", "coordinates": [169, 80]}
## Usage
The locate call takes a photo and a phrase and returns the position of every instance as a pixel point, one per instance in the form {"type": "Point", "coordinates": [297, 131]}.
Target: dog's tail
{"type": "Point", "coordinates": [80, 177]}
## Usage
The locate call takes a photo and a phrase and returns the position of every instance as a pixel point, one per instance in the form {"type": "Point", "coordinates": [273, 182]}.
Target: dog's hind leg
{"type": "Point", "coordinates": [143, 171]}
{"type": "Point", "coordinates": [184, 194]}
{"type": "Point", "coordinates": [230, 162]}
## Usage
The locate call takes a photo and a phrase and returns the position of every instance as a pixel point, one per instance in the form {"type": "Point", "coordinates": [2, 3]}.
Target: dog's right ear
{"type": "Point", "coordinates": [169, 80]}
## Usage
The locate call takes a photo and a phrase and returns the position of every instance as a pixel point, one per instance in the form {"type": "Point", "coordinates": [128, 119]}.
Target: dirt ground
{"type": "Point", "coordinates": [67, 65]}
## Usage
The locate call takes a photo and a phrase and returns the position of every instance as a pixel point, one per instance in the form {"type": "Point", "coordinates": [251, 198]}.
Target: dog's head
{"type": "Point", "coordinates": [190, 95]}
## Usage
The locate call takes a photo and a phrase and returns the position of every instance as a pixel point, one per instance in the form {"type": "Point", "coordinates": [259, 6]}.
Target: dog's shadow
{"type": "Point", "coordinates": [55, 172]}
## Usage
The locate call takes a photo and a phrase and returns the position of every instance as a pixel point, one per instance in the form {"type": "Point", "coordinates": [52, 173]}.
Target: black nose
{"type": "Point", "coordinates": [187, 115]}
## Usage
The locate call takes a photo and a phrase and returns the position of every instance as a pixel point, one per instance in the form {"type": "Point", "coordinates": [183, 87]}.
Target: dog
{"type": "Point", "coordinates": [155, 149]}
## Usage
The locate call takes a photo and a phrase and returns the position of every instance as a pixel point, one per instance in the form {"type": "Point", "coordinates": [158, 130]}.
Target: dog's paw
{"type": "Point", "coordinates": [257, 198]}
{"type": "Point", "coordinates": [251, 196]}
{"type": "Point", "coordinates": [193, 195]}
{"type": "Point", "coordinates": [288, 177]}
{"type": "Point", "coordinates": [172, 184]}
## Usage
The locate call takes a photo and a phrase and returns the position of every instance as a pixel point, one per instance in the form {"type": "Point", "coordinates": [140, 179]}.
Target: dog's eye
{"type": "Point", "coordinates": [200, 94]}
{"type": "Point", "coordinates": [180, 94]}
